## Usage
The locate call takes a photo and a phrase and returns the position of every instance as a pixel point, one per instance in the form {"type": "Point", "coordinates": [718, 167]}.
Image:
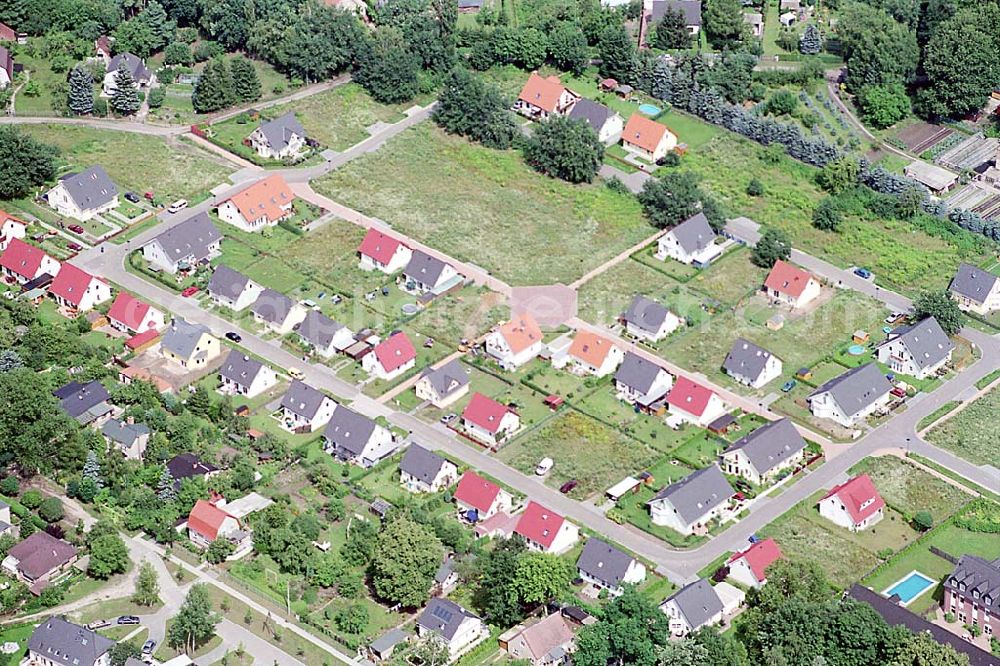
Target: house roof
{"type": "Point", "coordinates": [91, 188]}
{"type": "Point", "coordinates": [697, 493]}
{"type": "Point", "coordinates": [539, 524]}
{"type": "Point", "coordinates": [935, 177]}
{"type": "Point", "coordinates": [689, 396]}
{"type": "Point", "coordinates": [694, 234]}
{"type": "Point", "coordinates": [697, 602]}
{"type": "Point", "coordinates": [317, 329]}
{"type": "Point", "coordinates": [485, 412]}
{"type": "Point", "coordinates": [543, 92]}
{"type": "Point", "coordinates": [770, 445]}
{"type": "Point", "coordinates": [349, 430]}
{"type": "Point", "coordinates": [443, 617]}
{"type": "Point", "coordinates": [188, 465]}
{"type": "Point", "coordinates": [590, 348]}
{"type": "Point", "coordinates": [859, 497]}
{"type": "Point", "coordinates": [379, 246]}
{"type": "Point", "coordinates": [123, 432]}
{"type": "Point", "coordinates": [206, 519]}
{"type": "Point", "coordinates": [182, 337]}
{"type": "Point", "coordinates": [926, 341]}
{"type": "Point", "coordinates": [591, 112]}
{"type": "Point", "coordinates": [71, 283]}
{"type": "Point", "coordinates": [303, 400]}
{"type": "Point", "coordinates": [638, 373]}
{"type": "Point", "coordinates": [240, 368]}
{"type": "Point", "coordinates": [972, 282]}
{"type": "Point", "coordinates": [424, 268]}
{"type": "Point", "coordinates": [140, 339]}
{"type": "Point", "coordinates": [395, 351]}
{"type": "Point", "coordinates": [6, 217]}
{"type": "Point", "coordinates": [388, 640]}
{"type": "Point", "coordinates": [272, 306]}
{"type": "Point", "coordinates": [746, 359]}
{"type": "Point", "coordinates": [972, 575]}
{"type": "Point", "coordinates": [547, 635]}
{"type": "Point", "coordinates": [227, 282]}
{"type": "Point", "coordinates": [643, 132]}
{"type": "Point", "coordinates": [646, 313]}
{"type": "Point", "coordinates": [521, 332]}
{"type": "Point", "coordinates": [759, 557]}
{"type": "Point", "coordinates": [279, 132]}
{"type": "Point", "coordinates": [266, 199]}
{"type": "Point", "coordinates": [22, 259]}
{"type": "Point", "coordinates": [449, 378]}
{"type": "Point", "coordinates": [476, 491]}
{"type": "Point", "coordinates": [68, 644]}
{"type": "Point", "coordinates": [77, 399]}
{"type": "Point", "coordinates": [7, 33]}
{"type": "Point", "coordinates": [190, 238]}
{"type": "Point", "coordinates": [7, 62]}
{"type": "Point", "coordinates": [40, 554]}
{"type": "Point", "coordinates": [690, 9]}
{"type": "Point", "coordinates": [788, 279]}
{"type": "Point", "coordinates": [421, 463]}
{"type": "Point", "coordinates": [128, 310]}
{"type": "Point", "coordinates": [604, 562]}
{"type": "Point", "coordinates": [133, 64]}
{"type": "Point", "coordinates": [857, 388]}
{"type": "Point", "coordinates": [103, 43]}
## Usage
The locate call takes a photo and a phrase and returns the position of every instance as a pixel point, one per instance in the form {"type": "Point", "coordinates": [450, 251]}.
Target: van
{"type": "Point", "coordinates": [178, 206]}
{"type": "Point", "coordinates": [544, 466]}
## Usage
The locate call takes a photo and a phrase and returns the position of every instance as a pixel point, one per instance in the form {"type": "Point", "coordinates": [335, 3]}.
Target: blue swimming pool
{"type": "Point", "coordinates": [649, 109]}
{"type": "Point", "coordinates": [910, 587]}
{"type": "Point", "coordinates": [856, 350]}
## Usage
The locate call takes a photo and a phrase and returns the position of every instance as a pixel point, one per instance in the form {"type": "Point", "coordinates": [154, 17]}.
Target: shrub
{"type": "Point", "coordinates": [923, 520]}
{"type": "Point", "coordinates": [755, 188]}
{"type": "Point", "coordinates": [32, 498]}
{"type": "Point", "coordinates": [10, 486]}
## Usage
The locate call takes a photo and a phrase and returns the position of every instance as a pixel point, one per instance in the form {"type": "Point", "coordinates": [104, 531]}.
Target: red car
{"type": "Point", "coordinates": [76, 247]}
{"type": "Point", "coordinates": [190, 291]}
{"type": "Point", "coordinates": [898, 392]}
{"type": "Point", "coordinates": [76, 228]}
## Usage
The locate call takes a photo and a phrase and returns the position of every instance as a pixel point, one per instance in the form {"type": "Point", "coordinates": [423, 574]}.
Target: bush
{"type": "Point", "coordinates": [32, 499]}
{"type": "Point", "coordinates": [755, 188]}
{"type": "Point", "coordinates": [156, 97]}
{"type": "Point", "coordinates": [10, 486]}
{"type": "Point", "coordinates": [923, 520]}
{"type": "Point", "coordinates": [51, 510]}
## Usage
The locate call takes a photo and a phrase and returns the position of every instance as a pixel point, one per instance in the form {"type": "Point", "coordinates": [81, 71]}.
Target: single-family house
{"type": "Point", "coordinates": [380, 252]}
{"type": "Point", "coordinates": [515, 342]}
{"type": "Point", "coordinates": [755, 20]}
{"type": "Point", "coordinates": [788, 284]}
{"type": "Point", "coordinates": [647, 138]}
{"type": "Point", "coordinates": [975, 290]}
{"type": "Point", "coordinates": [751, 364]}
{"type": "Point", "coordinates": [10, 228]}
{"type": "Point", "coordinates": [102, 49]}
{"type": "Point", "coordinates": [424, 273]}
{"type": "Point", "coordinates": [244, 376]}
{"type": "Point", "coordinates": [609, 568]}
{"type": "Point", "coordinates": [127, 436]}
{"type": "Point", "coordinates": [276, 311]}
{"type": "Point", "coordinates": [263, 204]}
{"type": "Point", "coordinates": [191, 346]}
{"type": "Point", "coordinates": [643, 383]}
{"type": "Point", "coordinates": [77, 290]}
{"type": "Point", "coordinates": [22, 263]}
{"type": "Point", "coordinates": [130, 315]}
{"type": "Point", "coordinates": [689, 504]}
{"type": "Point", "coordinates": [690, 10]}
{"type": "Point", "coordinates": [607, 124]}
{"type": "Point", "coordinates": [443, 386]}
{"type": "Point", "coordinates": [39, 559]}
{"type": "Point", "coordinates": [85, 194]}
{"type": "Point", "coordinates": [691, 242]}
{"type": "Point", "coordinates": [489, 421]}
{"type": "Point", "coordinates": [390, 358]}
{"type": "Point", "coordinates": [231, 289]}
{"type": "Point", "coordinates": [854, 504]}
{"type": "Point", "coordinates": [6, 67]}
{"type": "Point", "coordinates": [134, 65]}
{"type": "Point", "coordinates": [919, 350]}
{"type": "Point", "coordinates": [357, 439]}
{"type": "Point", "coordinates": [972, 594]}
{"type": "Point", "coordinates": [760, 456]}
{"type": "Point", "coordinates": [423, 471]}
{"type": "Point", "coordinates": [189, 466]}
{"type": "Point", "coordinates": [694, 403]}
{"type": "Point", "coordinates": [324, 335]}
{"type": "Point", "coordinates": [749, 566]}
{"type": "Point", "coordinates": [542, 97]}
{"type": "Point", "coordinates": [935, 178]}
{"type": "Point", "coordinates": [699, 604]}
{"type": "Point", "coordinates": [446, 578]}
{"type": "Point", "coordinates": [278, 139]}
{"type": "Point", "coordinates": [851, 396]}
{"type": "Point", "coordinates": [87, 403]}
{"type": "Point", "coordinates": [182, 247]}
{"type": "Point", "coordinates": [592, 354]}
{"type": "Point", "coordinates": [545, 530]}
{"type": "Point", "coordinates": [648, 320]}
{"type": "Point", "coordinates": [8, 34]}
{"type": "Point", "coordinates": [56, 642]}
{"type": "Point", "coordinates": [548, 642]}
{"type": "Point", "coordinates": [458, 629]}
{"type": "Point", "coordinates": [478, 499]}
{"type": "Point", "coordinates": [208, 522]}
{"type": "Point", "coordinates": [305, 409]}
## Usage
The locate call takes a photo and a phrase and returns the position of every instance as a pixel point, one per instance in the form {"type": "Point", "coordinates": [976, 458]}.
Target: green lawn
{"type": "Point", "coordinates": [634, 510]}
{"type": "Point", "coordinates": [972, 432]}
{"type": "Point", "coordinates": [910, 489]}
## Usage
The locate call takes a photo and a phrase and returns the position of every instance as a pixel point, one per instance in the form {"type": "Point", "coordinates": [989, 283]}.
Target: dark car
{"type": "Point", "coordinates": [132, 196]}
{"type": "Point", "coordinates": [76, 228]}
{"type": "Point", "coordinates": [76, 247]}
{"type": "Point", "coordinates": [234, 336]}
{"type": "Point", "coordinates": [128, 619]}
{"type": "Point", "coordinates": [568, 486]}
{"type": "Point", "coordinates": [863, 273]}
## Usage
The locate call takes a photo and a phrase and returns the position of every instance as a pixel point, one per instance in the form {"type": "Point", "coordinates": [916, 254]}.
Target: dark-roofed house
{"type": "Point", "coordinates": [188, 465]}
{"type": "Point", "coordinates": [135, 66]}
{"type": "Point", "coordinates": [39, 559]}
{"type": "Point", "coordinates": [305, 409]}
{"type": "Point", "coordinates": [698, 605]}
{"type": "Point", "coordinates": [609, 568]}
{"type": "Point", "coordinates": [446, 621]}
{"type": "Point", "coordinates": [190, 346]}
{"type": "Point", "coordinates": [606, 123]}
{"type": "Point", "coordinates": [355, 438]}
{"type": "Point", "coordinates": [277, 311]}
{"type": "Point", "coordinates": [763, 454]}
{"type": "Point", "coordinates": [245, 376]}
{"type": "Point", "coordinates": [750, 364]}
{"type": "Point", "coordinates": [182, 247]}
{"type": "Point", "coordinates": [443, 386]}
{"type": "Point", "coordinates": [425, 273]}
{"type": "Point", "coordinates": [687, 505]}
{"type": "Point", "coordinates": [87, 403]}
{"type": "Point", "coordinates": [128, 437]}
{"type": "Point", "coordinates": [278, 139]}
{"type": "Point", "coordinates": [690, 242]}
{"type": "Point", "coordinates": [231, 289]}
{"type": "Point", "coordinates": [85, 194]}
{"type": "Point", "coordinates": [648, 320]}
{"type": "Point", "coordinates": [643, 382]}
{"type": "Point", "coordinates": [690, 9]}
{"type": "Point", "coordinates": [383, 647]}
{"type": "Point", "coordinates": [851, 396]}
{"type": "Point", "coordinates": [56, 642]}
{"type": "Point", "coordinates": [423, 471]}
{"type": "Point", "coordinates": [972, 594]}
{"type": "Point", "coordinates": [547, 642]}
{"type": "Point", "coordinates": [918, 350]}
{"type": "Point", "coordinates": [324, 335]}
{"type": "Point", "coordinates": [975, 290]}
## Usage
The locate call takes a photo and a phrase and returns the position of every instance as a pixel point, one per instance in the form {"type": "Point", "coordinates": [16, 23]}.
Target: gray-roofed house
{"type": "Point", "coordinates": [423, 471]}
{"type": "Point", "coordinates": [690, 242]}
{"type": "Point", "coordinates": [648, 320]}
{"type": "Point", "coordinates": [459, 629]}
{"type": "Point", "coordinates": [609, 568]}
{"type": "Point", "coordinates": [426, 274]}
{"type": "Point", "coordinates": [443, 386]}
{"type": "Point", "coordinates": [324, 335]}
{"type": "Point", "coordinates": [382, 648]}
{"type": "Point", "coordinates": [85, 194]}
{"type": "Point", "coordinates": [689, 504]}
{"type": "Point", "coordinates": [6, 526]}
{"type": "Point", "coordinates": [305, 409]}
{"type": "Point", "coordinates": [760, 456]}
{"type": "Point", "coordinates": [191, 346]}
{"type": "Point", "coordinates": [851, 396]}
{"type": "Point", "coordinates": [134, 65]}
{"type": "Point", "coordinates": [231, 289]}
{"type": "Point", "coordinates": [692, 607]}
{"type": "Point", "coordinates": [277, 311]}
{"type": "Point", "coordinates": [245, 376]}
{"type": "Point", "coordinates": [751, 364]}
{"type": "Point", "coordinates": [128, 437]}
{"type": "Point", "coordinates": [972, 593]}
{"type": "Point", "coordinates": [976, 290]}
{"type": "Point", "coordinates": [283, 137]}
{"type": "Point", "coordinates": [919, 350]}
{"type": "Point", "coordinates": [188, 466]}
{"type": "Point", "coordinates": [87, 403]}
{"type": "Point", "coordinates": [446, 578]}
{"type": "Point", "coordinates": [607, 123]}
{"type": "Point", "coordinates": [56, 642]}
{"type": "Point", "coordinates": [183, 246]}
{"type": "Point", "coordinates": [39, 560]}
{"type": "Point", "coordinates": [756, 22]}
{"type": "Point", "coordinates": [355, 438]}
{"type": "Point", "coordinates": [643, 382]}
{"type": "Point", "coordinates": [690, 10]}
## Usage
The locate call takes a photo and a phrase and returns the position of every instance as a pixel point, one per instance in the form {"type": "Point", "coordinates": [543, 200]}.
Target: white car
{"type": "Point", "coordinates": [178, 206]}
{"type": "Point", "coordinates": [544, 466]}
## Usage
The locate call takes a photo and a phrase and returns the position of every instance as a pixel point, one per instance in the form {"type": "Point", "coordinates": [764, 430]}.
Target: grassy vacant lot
{"type": "Point", "coordinates": [909, 489]}
{"type": "Point", "coordinates": [972, 432]}
{"type": "Point", "coordinates": [488, 207]}
{"type": "Point", "coordinates": [464, 314]}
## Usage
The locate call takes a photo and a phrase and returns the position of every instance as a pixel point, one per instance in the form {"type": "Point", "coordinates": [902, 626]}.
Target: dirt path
{"type": "Point", "coordinates": [614, 261]}
{"type": "Point", "coordinates": [965, 403]}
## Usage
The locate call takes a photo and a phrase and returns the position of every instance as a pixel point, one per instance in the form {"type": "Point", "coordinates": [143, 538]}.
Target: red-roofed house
{"type": "Point", "coordinates": [489, 421]}
{"type": "Point", "coordinates": [142, 341]}
{"type": "Point", "coordinates": [542, 97]}
{"type": "Point", "coordinates": [592, 354]}
{"type": "Point", "coordinates": [546, 531]}
{"type": "Point", "coordinates": [750, 566]}
{"type": "Point", "coordinates": [7, 33]}
{"type": "Point", "coordinates": [76, 289]}
{"type": "Point", "coordinates": [854, 504]}
{"type": "Point", "coordinates": [11, 227]}
{"type": "Point", "coordinates": [485, 498]}
{"type": "Point", "coordinates": [383, 253]}
{"type": "Point", "coordinates": [647, 138]}
{"type": "Point", "coordinates": [391, 357]}
{"type": "Point", "coordinates": [694, 403]}
{"type": "Point", "coordinates": [789, 284]}
{"type": "Point", "coordinates": [515, 343]}
{"type": "Point", "coordinates": [263, 204]}
{"type": "Point", "coordinates": [207, 522]}
{"type": "Point", "coordinates": [22, 263]}
{"type": "Point", "coordinates": [131, 315]}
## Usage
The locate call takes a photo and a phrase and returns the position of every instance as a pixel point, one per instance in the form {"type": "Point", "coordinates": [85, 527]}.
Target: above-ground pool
{"type": "Point", "coordinates": [409, 308]}
{"type": "Point", "coordinates": [649, 109]}
{"type": "Point", "coordinates": [910, 587]}
{"type": "Point", "coordinates": [856, 350]}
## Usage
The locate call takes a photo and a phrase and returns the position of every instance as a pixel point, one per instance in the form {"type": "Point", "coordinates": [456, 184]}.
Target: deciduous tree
{"type": "Point", "coordinates": [386, 68]}
{"type": "Point", "coordinates": [883, 105]}
{"type": "Point", "coordinates": [147, 586]}
{"type": "Point", "coordinates": [195, 623]}
{"type": "Point", "coordinates": [470, 107]}
{"type": "Point", "coordinates": [108, 556]}
{"type": "Point", "coordinates": [939, 304]}
{"type": "Point", "coordinates": [407, 555]}
{"type": "Point", "coordinates": [773, 245]}
{"type": "Point", "coordinates": [24, 164]}
{"type": "Point", "coordinates": [565, 149]}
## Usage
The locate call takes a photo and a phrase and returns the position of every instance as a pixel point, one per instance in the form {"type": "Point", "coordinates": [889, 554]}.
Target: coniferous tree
{"type": "Point", "coordinates": [811, 41]}
{"type": "Point", "coordinates": [81, 92]}
{"type": "Point", "coordinates": [663, 81]}
{"type": "Point", "coordinates": [246, 83]}
{"type": "Point", "coordinates": [214, 89]}
{"type": "Point", "coordinates": [125, 99]}
{"type": "Point", "coordinates": [165, 489]}
{"type": "Point", "coordinates": [92, 470]}
{"type": "Point", "coordinates": [672, 32]}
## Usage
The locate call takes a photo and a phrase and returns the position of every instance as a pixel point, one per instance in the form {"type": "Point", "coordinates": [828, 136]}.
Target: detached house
{"type": "Point", "coordinates": [193, 241]}
{"type": "Point", "coordinates": [690, 11]}
{"type": "Point", "coordinates": [443, 386]}
{"type": "Point", "coordinates": [647, 138]}
{"type": "Point", "coordinates": [84, 195]}
{"type": "Point", "coordinates": [489, 421]}
{"type": "Point", "coordinates": [699, 604]}
{"type": "Point", "coordinates": [516, 342]}
{"type": "Point", "coordinates": [592, 354]}
{"type": "Point", "coordinates": [972, 594]}
{"type": "Point", "coordinates": [975, 289]}
{"type": "Point", "coordinates": [87, 403]}
{"type": "Point", "coordinates": [39, 560]}
{"type": "Point", "coordinates": [130, 315]}
{"type": "Point", "coordinates": [691, 242]}
{"type": "Point", "coordinates": [77, 290]}
{"type": "Point", "coordinates": [354, 438]}
{"type": "Point", "coordinates": [648, 320]}
{"type": "Point", "coordinates": [458, 629]}
{"type": "Point", "coordinates": [751, 365]}
{"type": "Point", "coordinates": [208, 522]}
{"type": "Point", "coordinates": [609, 568]}
{"type": "Point", "coordinates": [244, 376]}
{"type": "Point", "coordinates": [136, 67]}
{"type": "Point", "coordinates": [276, 311]}
{"type": "Point", "coordinates": [263, 204]}
{"type": "Point", "coordinates": [478, 499]}
{"type": "Point", "coordinates": [788, 284]}
{"type": "Point", "coordinates": [278, 139]}
{"type": "Point", "coordinates": [918, 350]}
{"type": "Point", "coordinates": [380, 252]}
{"type": "Point", "coordinates": [763, 454]}
{"type": "Point", "coordinates": [542, 97]}
{"type": "Point", "coordinates": [851, 396]}
{"type": "Point", "coordinates": [231, 289]}
{"type": "Point", "coordinates": [643, 383]}
{"type": "Point", "coordinates": [750, 566]}
{"type": "Point", "coordinates": [689, 504]}
{"type": "Point", "coordinates": [10, 228]}
{"type": "Point", "coordinates": [390, 358]}
{"type": "Point", "coordinates": [694, 403]}
{"type": "Point", "coordinates": [56, 642]}
{"type": "Point", "coordinates": [548, 642]}
{"type": "Point", "coordinates": [305, 409]}
{"type": "Point", "coordinates": [426, 274]}
{"type": "Point", "coordinates": [854, 504]}
{"type": "Point", "coordinates": [423, 471]}
{"type": "Point", "coordinates": [22, 263]}
{"type": "Point", "coordinates": [128, 437]}
{"type": "Point", "coordinates": [323, 334]}
{"type": "Point", "coordinates": [6, 67]}
{"type": "Point", "coordinates": [546, 531]}
{"type": "Point", "coordinates": [189, 466]}
{"type": "Point", "coordinates": [190, 346]}
{"type": "Point", "coordinates": [607, 124]}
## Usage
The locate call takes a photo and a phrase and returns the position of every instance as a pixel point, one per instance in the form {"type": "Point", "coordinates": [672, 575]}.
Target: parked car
{"type": "Point", "coordinates": [128, 619]}
{"type": "Point", "coordinates": [189, 292]}
{"type": "Point", "coordinates": [132, 196]}
{"type": "Point", "coordinates": [898, 392]}
{"type": "Point", "coordinates": [76, 229]}
{"type": "Point", "coordinates": [788, 386]}
{"type": "Point", "coordinates": [234, 336]}
{"type": "Point", "coordinates": [894, 317]}
{"type": "Point", "coordinates": [568, 486]}
{"type": "Point", "coordinates": [544, 466]}
{"type": "Point", "coordinates": [448, 418]}
{"type": "Point", "coordinates": [147, 651]}
{"type": "Point", "coordinates": [863, 273]}
{"type": "Point", "coordinates": [178, 206]}
{"type": "Point", "coordinates": [295, 373]}
{"type": "Point", "coordinates": [98, 624]}
{"type": "Point", "coordinates": [76, 247]}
